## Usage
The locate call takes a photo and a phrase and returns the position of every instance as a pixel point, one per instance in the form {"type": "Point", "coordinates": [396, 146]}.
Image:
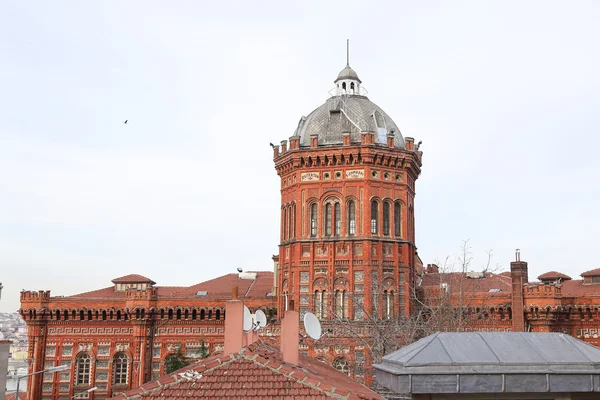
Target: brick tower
{"type": "Point", "coordinates": [347, 210]}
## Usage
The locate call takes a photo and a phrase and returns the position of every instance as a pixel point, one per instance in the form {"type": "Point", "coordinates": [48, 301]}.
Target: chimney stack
{"type": "Point", "coordinates": [234, 325]}
{"type": "Point", "coordinates": [290, 330]}
{"type": "Point", "coordinates": [519, 277]}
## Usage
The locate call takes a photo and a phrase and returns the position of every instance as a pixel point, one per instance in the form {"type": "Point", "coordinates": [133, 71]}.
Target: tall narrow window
{"type": "Point", "coordinates": [293, 224]}
{"type": "Point", "coordinates": [340, 304]}
{"type": "Point", "coordinates": [337, 215]}
{"type": "Point", "coordinates": [374, 217]}
{"type": "Point", "coordinates": [386, 218]}
{"type": "Point", "coordinates": [389, 304]}
{"type": "Point", "coordinates": [351, 218]}
{"type": "Point", "coordinates": [120, 369]}
{"type": "Point", "coordinates": [328, 219]}
{"type": "Point", "coordinates": [319, 304]}
{"type": "Point", "coordinates": [313, 220]}
{"type": "Point", "coordinates": [284, 223]}
{"type": "Point", "coordinates": [397, 219]}
{"type": "Point", "coordinates": [83, 369]}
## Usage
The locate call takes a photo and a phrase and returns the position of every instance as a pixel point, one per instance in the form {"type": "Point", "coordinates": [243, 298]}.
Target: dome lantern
{"type": "Point", "coordinates": [347, 81]}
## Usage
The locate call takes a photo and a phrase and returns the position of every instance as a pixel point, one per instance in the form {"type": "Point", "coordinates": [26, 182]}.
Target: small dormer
{"type": "Point", "coordinates": [133, 281]}
{"type": "Point", "coordinates": [553, 277]}
{"type": "Point", "coordinates": [591, 277]}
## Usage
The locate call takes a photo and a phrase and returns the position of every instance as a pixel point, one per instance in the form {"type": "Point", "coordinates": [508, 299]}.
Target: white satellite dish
{"type": "Point", "coordinates": [312, 326]}
{"type": "Point", "coordinates": [247, 319]}
{"type": "Point", "coordinates": [260, 319]}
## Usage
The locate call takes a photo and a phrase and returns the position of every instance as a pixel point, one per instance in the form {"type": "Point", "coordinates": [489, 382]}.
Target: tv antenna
{"type": "Point", "coordinates": [247, 320]}
{"type": "Point", "coordinates": [260, 320]}
{"type": "Point", "coordinates": [312, 326]}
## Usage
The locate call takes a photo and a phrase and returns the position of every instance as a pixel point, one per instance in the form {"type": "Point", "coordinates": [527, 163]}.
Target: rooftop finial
{"type": "Point", "coordinates": [347, 52]}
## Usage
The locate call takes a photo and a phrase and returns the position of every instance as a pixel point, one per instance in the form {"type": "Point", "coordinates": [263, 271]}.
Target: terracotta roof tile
{"type": "Point", "coordinates": [592, 272]}
{"type": "Point", "coordinates": [469, 285]}
{"type": "Point", "coordinates": [217, 288]}
{"type": "Point", "coordinates": [553, 275]}
{"type": "Point", "coordinates": [133, 278]}
{"type": "Point", "coordinates": [255, 372]}
{"type": "Point", "coordinates": [13, 396]}
{"type": "Point", "coordinates": [576, 287]}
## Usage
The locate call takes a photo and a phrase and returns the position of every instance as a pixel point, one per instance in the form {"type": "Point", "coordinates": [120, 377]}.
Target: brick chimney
{"type": "Point", "coordinates": [290, 329]}
{"type": "Point", "coordinates": [519, 277]}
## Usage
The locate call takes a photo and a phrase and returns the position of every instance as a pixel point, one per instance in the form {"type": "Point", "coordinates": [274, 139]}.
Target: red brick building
{"type": "Point", "coordinates": [119, 337]}
{"type": "Point", "coordinates": [347, 250]}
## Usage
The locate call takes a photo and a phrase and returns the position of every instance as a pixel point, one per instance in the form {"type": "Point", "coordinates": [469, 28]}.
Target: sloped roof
{"type": "Point", "coordinates": [494, 352]}
{"type": "Point", "coordinates": [13, 396]}
{"type": "Point", "coordinates": [255, 372]}
{"type": "Point", "coordinates": [576, 287]}
{"type": "Point", "coordinates": [133, 278]}
{"type": "Point", "coordinates": [217, 288]}
{"type": "Point", "coordinates": [469, 285]}
{"type": "Point", "coordinates": [553, 275]}
{"type": "Point", "coordinates": [592, 272]}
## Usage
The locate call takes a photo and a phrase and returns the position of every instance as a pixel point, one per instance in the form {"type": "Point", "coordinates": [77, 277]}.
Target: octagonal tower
{"type": "Point", "coordinates": [347, 244]}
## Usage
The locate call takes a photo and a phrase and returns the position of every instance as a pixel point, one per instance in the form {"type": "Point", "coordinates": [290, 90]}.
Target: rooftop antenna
{"type": "Point", "coordinates": [260, 320]}
{"type": "Point", "coordinates": [347, 52]}
{"type": "Point", "coordinates": [312, 326]}
{"type": "Point", "coordinates": [247, 326]}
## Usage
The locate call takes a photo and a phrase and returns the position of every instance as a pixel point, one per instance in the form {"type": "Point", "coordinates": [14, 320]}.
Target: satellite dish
{"type": "Point", "coordinates": [260, 319]}
{"type": "Point", "coordinates": [247, 319]}
{"type": "Point", "coordinates": [312, 326]}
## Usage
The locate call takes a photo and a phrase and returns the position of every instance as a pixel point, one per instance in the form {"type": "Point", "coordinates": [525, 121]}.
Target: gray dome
{"type": "Point", "coordinates": [347, 73]}
{"type": "Point", "coordinates": [354, 114]}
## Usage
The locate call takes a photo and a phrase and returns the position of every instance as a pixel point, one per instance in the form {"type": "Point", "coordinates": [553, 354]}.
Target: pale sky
{"type": "Point", "coordinates": [504, 96]}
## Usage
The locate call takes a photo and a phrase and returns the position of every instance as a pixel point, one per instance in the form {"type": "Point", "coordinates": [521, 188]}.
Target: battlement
{"type": "Point", "coordinates": [543, 290]}
{"type": "Point", "coordinates": [41, 295]}
{"type": "Point", "coordinates": [141, 294]}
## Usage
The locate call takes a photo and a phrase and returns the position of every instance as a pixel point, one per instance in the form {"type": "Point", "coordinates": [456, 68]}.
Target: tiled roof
{"type": "Point", "coordinates": [222, 285]}
{"type": "Point", "coordinates": [469, 285]}
{"type": "Point", "coordinates": [217, 288]}
{"type": "Point", "coordinates": [255, 372]}
{"type": "Point", "coordinates": [593, 272]}
{"type": "Point", "coordinates": [553, 275]}
{"type": "Point", "coordinates": [13, 396]}
{"type": "Point", "coordinates": [133, 278]}
{"type": "Point", "coordinates": [577, 288]}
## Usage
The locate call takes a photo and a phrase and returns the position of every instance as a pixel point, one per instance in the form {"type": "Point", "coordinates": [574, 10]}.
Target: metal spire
{"type": "Point", "coordinates": [347, 52]}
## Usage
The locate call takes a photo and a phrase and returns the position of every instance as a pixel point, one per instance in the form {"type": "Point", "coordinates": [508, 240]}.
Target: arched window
{"type": "Point", "coordinates": [386, 218]}
{"type": "Point", "coordinates": [218, 315]}
{"type": "Point", "coordinates": [104, 315]}
{"type": "Point", "coordinates": [162, 314]}
{"type": "Point", "coordinates": [120, 366]}
{"type": "Point", "coordinates": [202, 314]}
{"type": "Point", "coordinates": [313, 220]}
{"type": "Point", "coordinates": [328, 219]}
{"type": "Point", "coordinates": [57, 315]}
{"type": "Point", "coordinates": [83, 369]}
{"type": "Point", "coordinates": [66, 314]}
{"type": "Point", "coordinates": [209, 314]}
{"type": "Point", "coordinates": [73, 314]}
{"type": "Point", "coordinates": [89, 315]}
{"type": "Point", "coordinates": [337, 216]}
{"type": "Point", "coordinates": [118, 315]}
{"type": "Point", "coordinates": [344, 85]}
{"type": "Point", "coordinates": [352, 87]}
{"type": "Point", "coordinates": [186, 314]}
{"type": "Point", "coordinates": [397, 219]}
{"type": "Point", "coordinates": [374, 217]}
{"type": "Point", "coordinates": [319, 302]}
{"type": "Point", "coordinates": [178, 314]}
{"type": "Point", "coordinates": [389, 304]}
{"type": "Point", "coordinates": [341, 365]}
{"type": "Point", "coordinates": [193, 314]}
{"type": "Point", "coordinates": [81, 315]}
{"type": "Point", "coordinates": [340, 303]}
{"type": "Point", "coordinates": [351, 218]}
{"type": "Point", "coordinates": [170, 314]}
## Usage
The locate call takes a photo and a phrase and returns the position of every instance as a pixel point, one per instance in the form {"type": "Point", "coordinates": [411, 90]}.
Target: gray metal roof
{"type": "Point", "coordinates": [347, 73]}
{"type": "Point", "coordinates": [495, 351]}
{"type": "Point", "coordinates": [329, 122]}
{"type": "Point", "coordinates": [451, 362]}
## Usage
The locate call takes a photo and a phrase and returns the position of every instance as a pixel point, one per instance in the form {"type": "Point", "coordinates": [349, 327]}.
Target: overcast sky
{"type": "Point", "coordinates": [504, 96]}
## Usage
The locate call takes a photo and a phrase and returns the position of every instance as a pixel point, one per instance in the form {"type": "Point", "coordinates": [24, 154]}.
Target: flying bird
{"type": "Point", "coordinates": [126, 121]}
{"type": "Point", "coordinates": [272, 145]}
